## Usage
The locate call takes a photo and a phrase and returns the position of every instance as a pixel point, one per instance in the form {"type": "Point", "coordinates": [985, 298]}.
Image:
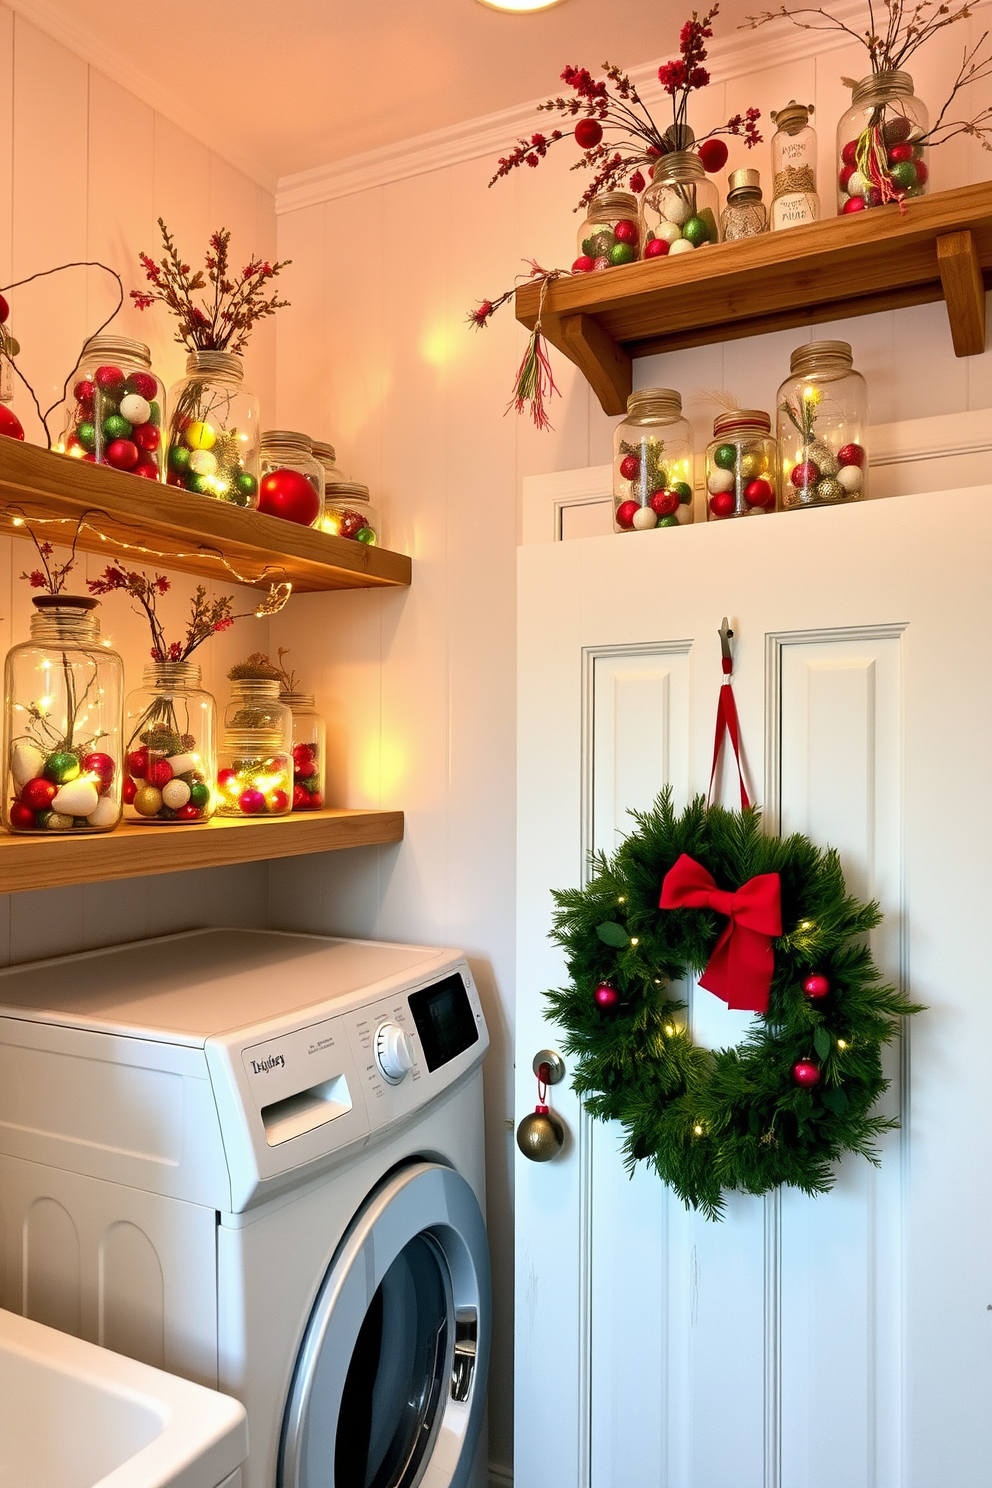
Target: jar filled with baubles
{"type": "Point", "coordinates": [214, 430]}
{"type": "Point", "coordinates": [881, 143]}
{"type": "Point", "coordinates": [115, 414]}
{"type": "Point", "coordinates": [309, 742]}
{"type": "Point", "coordinates": [794, 198]}
{"type": "Point", "coordinates": [62, 722]}
{"type": "Point", "coordinates": [348, 512]}
{"type": "Point", "coordinates": [822, 426]}
{"type": "Point", "coordinates": [292, 478]}
{"type": "Point", "coordinates": [745, 215]}
{"type": "Point", "coordinates": [652, 463]}
{"type": "Point", "coordinates": [741, 465]}
{"type": "Point", "coordinates": [680, 207]}
{"type": "Point", "coordinates": [327, 456]}
{"type": "Point", "coordinates": [255, 760]}
{"type": "Point", "coordinates": [171, 731]}
{"type": "Point", "coordinates": [610, 235]}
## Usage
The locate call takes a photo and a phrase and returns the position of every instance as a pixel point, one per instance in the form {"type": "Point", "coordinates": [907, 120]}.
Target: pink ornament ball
{"type": "Point", "coordinates": [606, 997]}
{"type": "Point", "coordinates": [805, 474]}
{"type": "Point", "coordinates": [657, 248]}
{"type": "Point", "coordinates": [854, 204]}
{"type": "Point", "coordinates": [816, 985]}
{"type": "Point", "coordinates": [10, 424]}
{"type": "Point", "coordinates": [582, 265]}
{"type": "Point", "coordinates": [21, 817]}
{"type": "Point", "coordinates": [122, 454]}
{"type": "Point", "coordinates": [625, 514]}
{"type": "Point", "coordinates": [759, 493]}
{"type": "Point", "coordinates": [805, 1073]}
{"type": "Point", "coordinates": [722, 504]}
{"type": "Point", "coordinates": [287, 494]}
{"type": "Point", "coordinates": [109, 379]}
{"type": "Point", "coordinates": [251, 802]}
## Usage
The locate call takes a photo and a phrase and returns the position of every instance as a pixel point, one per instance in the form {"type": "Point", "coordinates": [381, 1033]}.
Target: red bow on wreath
{"type": "Point", "coordinates": [741, 965]}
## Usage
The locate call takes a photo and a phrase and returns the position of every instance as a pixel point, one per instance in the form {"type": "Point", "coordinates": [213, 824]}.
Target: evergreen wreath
{"type": "Point", "coordinates": [732, 1119]}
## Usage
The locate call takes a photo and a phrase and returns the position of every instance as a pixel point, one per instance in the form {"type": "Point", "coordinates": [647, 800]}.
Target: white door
{"type": "Point", "coordinates": [837, 1342]}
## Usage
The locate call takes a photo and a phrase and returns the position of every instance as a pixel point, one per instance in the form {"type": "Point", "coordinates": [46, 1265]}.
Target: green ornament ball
{"type": "Point", "coordinates": [365, 535]}
{"type": "Point", "coordinates": [154, 413]}
{"type": "Point", "coordinates": [197, 484]}
{"type": "Point", "coordinates": [903, 174]}
{"type": "Point", "coordinates": [246, 483]}
{"type": "Point", "coordinates": [86, 434]}
{"type": "Point", "coordinates": [116, 427]}
{"type": "Point", "coordinates": [61, 767]}
{"type": "Point", "coordinates": [725, 455]}
{"type": "Point", "coordinates": [696, 232]}
{"type": "Point", "coordinates": [179, 458]}
{"type": "Point", "coordinates": [199, 794]}
{"type": "Point", "coordinates": [589, 247]}
{"type": "Point", "coordinates": [668, 521]}
{"type": "Point", "coordinates": [683, 492]}
{"type": "Point", "coordinates": [622, 253]}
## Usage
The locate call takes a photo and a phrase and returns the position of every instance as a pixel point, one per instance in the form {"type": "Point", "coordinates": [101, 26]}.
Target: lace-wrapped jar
{"type": "Point", "coordinates": [255, 775]}
{"type": "Point", "coordinates": [882, 155]}
{"type": "Point", "coordinates": [652, 463]}
{"type": "Point", "coordinates": [309, 751]}
{"type": "Point", "coordinates": [794, 198]}
{"type": "Point", "coordinates": [62, 723]}
{"type": "Point", "coordinates": [745, 215]}
{"type": "Point", "coordinates": [680, 207]}
{"type": "Point", "coordinates": [171, 729]}
{"type": "Point", "coordinates": [292, 480]}
{"type": "Point", "coordinates": [214, 430]}
{"type": "Point", "coordinates": [115, 413]}
{"type": "Point", "coordinates": [348, 512]}
{"type": "Point", "coordinates": [610, 235]}
{"type": "Point", "coordinates": [741, 465]}
{"type": "Point", "coordinates": [822, 424]}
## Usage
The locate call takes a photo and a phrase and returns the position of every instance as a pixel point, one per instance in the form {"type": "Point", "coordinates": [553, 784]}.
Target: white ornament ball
{"type": "Point", "coordinates": [183, 763]}
{"type": "Point", "coordinates": [106, 813]}
{"type": "Point", "coordinates": [720, 480]}
{"type": "Point", "coordinates": [684, 513]}
{"type": "Point", "coordinates": [681, 246]}
{"type": "Point", "coordinates": [673, 206]}
{"type": "Point", "coordinates": [669, 232]}
{"type": "Point", "coordinates": [203, 462]}
{"type": "Point", "coordinates": [858, 185]}
{"type": "Point", "coordinates": [26, 763]}
{"type": "Point", "coordinates": [175, 794]}
{"type": "Point", "coordinates": [851, 478]}
{"type": "Point", "coordinates": [136, 409]}
{"type": "Point", "coordinates": [645, 518]}
{"type": "Point", "coordinates": [77, 798]}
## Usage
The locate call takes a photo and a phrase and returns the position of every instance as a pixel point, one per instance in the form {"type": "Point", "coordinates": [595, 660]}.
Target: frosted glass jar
{"type": "Point", "coordinates": [652, 463]}
{"type": "Point", "coordinates": [610, 235]}
{"type": "Point", "coordinates": [62, 723]}
{"type": "Point", "coordinates": [348, 512]}
{"type": "Point", "coordinates": [114, 416]}
{"type": "Point", "coordinates": [680, 207]}
{"type": "Point", "coordinates": [741, 466]}
{"type": "Point", "coordinates": [745, 215]}
{"type": "Point", "coordinates": [255, 761]}
{"type": "Point", "coordinates": [214, 430]}
{"type": "Point", "coordinates": [292, 478]}
{"type": "Point", "coordinates": [822, 426]}
{"type": "Point", "coordinates": [309, 751]}
{"type": "Point", "coordinates": [794, 198]}
{"type": "Point", "coordinates": [882, 154]}
{"type": "Point", "coordinates": [171, 730]}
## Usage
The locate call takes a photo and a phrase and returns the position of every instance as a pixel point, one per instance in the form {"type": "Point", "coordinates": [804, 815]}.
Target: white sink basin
{"type": "Point", "coordinates": [76, 1416]}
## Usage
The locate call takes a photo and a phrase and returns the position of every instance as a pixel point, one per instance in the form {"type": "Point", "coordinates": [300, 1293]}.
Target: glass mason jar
{"type": "Point", "coordinates": [309, 751]}
{"type": "Point", "coordinates": [822, 424]}
{"type": "Point", "coordinates": [794, 198]}
{"type": "Point", "coordinates": [745, 215]}
{"type": "Point", "coordinates": [741, 465]}
{"type": "Point", "coordinates": [610, 235]}
{"type": "Point", "coordinates": [255, 777]}
{"type": "Point", "coordinates": [652, 463]}
{"type": "Point", "coordinates": [326, 455]}
{"type": "Point", "coordinates": [349, 513]}
{"type": "Point", "coordinates": [214, 430]}
{"type": "Point", "coordinates": [680, 207]}
{"type": "Point", "coordinates": [62, 723]}
{"type": "Point", "coordinates": [882, 153]}
{"type": "Point", "coordinates": [115, 414]}
{"type": "Point", "coordinates": [171, 731]}
{"type": "Point", "coordinates": [292, 478]}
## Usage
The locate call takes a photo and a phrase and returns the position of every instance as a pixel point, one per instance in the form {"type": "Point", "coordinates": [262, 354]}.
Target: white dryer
{"type": "Point", "coordinates": [256, 1159]}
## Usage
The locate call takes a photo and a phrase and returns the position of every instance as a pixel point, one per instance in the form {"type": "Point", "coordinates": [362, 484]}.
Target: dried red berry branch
{"type": "Point", "coordinates": [534, 383]}
{"type": "Point", "coordinates": [207, 617]}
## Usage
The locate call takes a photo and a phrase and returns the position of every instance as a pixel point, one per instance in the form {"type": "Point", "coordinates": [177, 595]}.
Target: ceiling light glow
{"type": "Point", "coordinates": [519, 7]}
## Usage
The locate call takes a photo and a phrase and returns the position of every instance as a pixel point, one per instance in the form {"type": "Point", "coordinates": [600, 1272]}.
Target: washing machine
{"type": "Point", "coordinates": [256, 1159]}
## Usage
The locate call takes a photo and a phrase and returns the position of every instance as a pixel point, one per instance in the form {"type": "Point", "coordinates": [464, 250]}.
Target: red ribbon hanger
{"type": "Point", "coordinates": [742, 963]}
{"type": "Point", "coordinates": [727, 721]}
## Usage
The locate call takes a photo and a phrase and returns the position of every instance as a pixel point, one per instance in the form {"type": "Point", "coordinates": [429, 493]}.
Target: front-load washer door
{"type": "Point", "coordinates": [390, 1382]}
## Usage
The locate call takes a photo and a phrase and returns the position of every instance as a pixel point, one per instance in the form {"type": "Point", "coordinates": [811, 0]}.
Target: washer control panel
{"type": "Point", "coordinates": [394, 1053]}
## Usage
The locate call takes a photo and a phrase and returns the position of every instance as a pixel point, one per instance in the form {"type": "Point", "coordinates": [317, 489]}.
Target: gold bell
{"type": "Point", "coordinates": [540, 1136]}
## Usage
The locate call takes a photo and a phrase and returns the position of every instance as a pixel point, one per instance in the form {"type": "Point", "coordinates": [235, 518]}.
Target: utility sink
{"type": "Point", "coordinates": [76, 1416]}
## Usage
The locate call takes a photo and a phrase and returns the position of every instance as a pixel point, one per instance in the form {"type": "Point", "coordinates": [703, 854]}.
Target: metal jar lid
{"type": "Point", "coordinates": [287, 439]}
{"type": "Point", "coordinates": [324, 451]}
{"type": "Point", "coordinates": [345, 490]}
{"type": "Point", "coordinates": [746, 181]}
{"type": "Point", "coordinates": [794, 117]}
{"type": "Point", "coordinates": [815, 355]}
{"type": "Point", "coordinates": [116, 346]}
{"type": "Point", "coordinates": [741, 421]}
{"type": "Point", "coordinates": [665, 402]}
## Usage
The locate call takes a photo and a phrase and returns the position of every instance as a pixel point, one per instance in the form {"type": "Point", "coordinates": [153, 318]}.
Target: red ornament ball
{"type": "Point", "coordinates": [582, 265]}
{"type": "Point", "coordinates": [316, 800]}
{"type": "Point", "coordinates": [251, 802]}
{"type": "Point", "coordinates": [847, 171]}
{"type": "Point", "coordinates": [606, 997]}
{"type": "Point", "coordinates": [851, 454]}
{"type": "Point", "coordinates": [922, 171]}
{"type": "Point", "coordinates": [722, 504]}
{"type": "Point", "coordinates": [588, 133]}
{"type": "Point", "coordinates": [301, 798]}
{"type": "Point", "coordinates": [10, 424]}
{"type": "Point", "coordinates": [130, 791]}
{"type": "Point", "coordinates": [804, 1072]}
{"type": "Point", "coordinates": [100, 765]}
{"type": "Point", "coordinates": [665, 503]}
{"type": "Point", "coordinates": [625, 514]}
{"type": "Point", "coordinates": [109, 379]}
{"type": "Point", "coordinates": [816, 985]}
{"type": "Point", "coordinates": [288, 494]}
{"type": "Point", "coordinates": [137, 763]}
{"type": "Point", "coordinates": [4, 309]}
{"type": "Point", "coordinates": [278, 801]}
{"type": "Point", "coordinates": [150, 472]}
{"type": "Point", "coordinates": [159, 773]}
{"type": "Point", "coordinates": [122, 454]}
{"type": "Point", "coordinates": [854, 204]}
{"type": "Point", "coordinates": [38, 794]}
{"type": "Point", "coordinates": [657, 248]}
{"type": "Point", "coordinates": [759, 493]}
{"type": "Point", "coordinates": [849, 154]}
{"type": "Point", "coordinates": [713, 155]}
{"type": "Point", "coordinates": [147, 437]}
{"type": "Point", "coordinates": [899, 153]}
{"type": "Point", "coordinates": [601, 263]}
{"type": "Point", "coordinates": [805, 474]}
{"type": "Point", "coordinates": [227, 778]}
{"type": "Point", "coordinates": [21, 816]}
{"type": "Point", "coordinates": [625, 231]}
{"type": "Point", "coordinates": [144, 384]}
{"type": "Point", "coordinates": [189, 812]}
{"type": "Point", "coordinates": [84, 391]}
{"type": "Point", "coordinates": [629, 467]}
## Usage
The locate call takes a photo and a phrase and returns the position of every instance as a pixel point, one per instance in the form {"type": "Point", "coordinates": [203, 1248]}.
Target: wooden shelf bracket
{"type": "Point", "coordinates": [606, 366]}
{"type": "Point", "coordinates": [964, 291]}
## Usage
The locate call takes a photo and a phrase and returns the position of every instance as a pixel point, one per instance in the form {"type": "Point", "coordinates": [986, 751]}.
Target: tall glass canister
{"type": "Point", "coordinates": [652, 463]}
{"type": "Point", "coordinates": [171, 728]}
{"type": "Point", "coordinates": [214, 430]}
{"type": "Point", "coordinates": [882, 155]}
{"type": "Point", "coordinates": [114, 416]}
{"type": "Point", "coordinates": [255, 777]}
{"type": "Point", "coordinates": [822, 427]}
{"type": "Point", "coordinates": [794, 197]}
{"type": "Point", "coordinates": [62, 723]}
{"type": "Point", "coordinates": [309, 750]}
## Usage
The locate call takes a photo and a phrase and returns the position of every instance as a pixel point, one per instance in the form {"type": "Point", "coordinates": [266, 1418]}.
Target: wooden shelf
{"type": "Point", "coordinates": [190, 532]}
{"type": "Point", "coordinates": [940, 248]}
{"type": "Point", "coordinates": [134, 850]}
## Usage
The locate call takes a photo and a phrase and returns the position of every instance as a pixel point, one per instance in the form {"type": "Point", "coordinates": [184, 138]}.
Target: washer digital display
{"type": "Point", "coordinates": [444, 1019]}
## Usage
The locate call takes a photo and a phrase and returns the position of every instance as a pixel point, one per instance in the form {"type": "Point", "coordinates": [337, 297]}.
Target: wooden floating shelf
{"type": "Point", "coordinates": [189, 532]}
{"type": "Point", "coordinates": [940, 248]}
{"type": "Point", "coordinates": [135, 850]}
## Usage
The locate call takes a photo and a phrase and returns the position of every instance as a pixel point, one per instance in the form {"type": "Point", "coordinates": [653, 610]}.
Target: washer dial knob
{"type": "Point", "coordinates": [393, 1052]}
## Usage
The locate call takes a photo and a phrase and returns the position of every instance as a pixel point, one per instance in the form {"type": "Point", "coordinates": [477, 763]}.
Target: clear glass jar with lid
{"type": "Point", "coordinates": [214, 430]}
{"type": "Point", "coordinates": [741, 465]}
{"type": "Point", "coordinates": [255, 774]}
{"type": "Point", "coordinates": [822, 427]}
{"type": "Point", "coordinates": [171, 729]}
{"type": "Point", "coordinates": [325, 453]}
{"type": "Point", "coordinates": [745, 215]}
{"type": "Point", "coordinates": [114, 416]}
{"type": "Point", "coordinates": [882, 153]}
{"type": "Point", "coordinates": [680, 206]}
{"type": "Point", "coordinates": [348, 512]}
{"type": "Point", "coordinates": [652, 463]}
{"type": "Point", "coordinates": [309, 750]}
{"type": "Point", "coordinates": [610, 235]}
{"type": "Point", "coordinates": [292, 478]}
{"type": "Point", "coordinates": [62, 723]}
{"type": "Point", "coordinates": [794, 198]}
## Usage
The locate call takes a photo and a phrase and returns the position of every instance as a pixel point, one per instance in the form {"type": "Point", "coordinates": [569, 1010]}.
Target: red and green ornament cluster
{"type": "Point", "coordinates": [164, 781]}
{"type": "Point", "coordinates": [346, 522]}
{"type": "Point", "coordinates": [883, 164]}
{"type": "Point", "coordinates": [255, 787]}
{"type": "Point", "coordinates": [207, 461]}
{"type": "Point", "coordinates": [117, 421]}
{"type": "Point", "coordinates": [307, 795]}
{"type": "Point", "coordinates": [62, 791]}
{"type": "Point", "coordinates": [823, 475]}
{"type": "Point", "coordinates": [608, 247]}
{"type": "Point", "coordinates": [654, 499]}
{"type": "Point", "coordinates": [10, 424]}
